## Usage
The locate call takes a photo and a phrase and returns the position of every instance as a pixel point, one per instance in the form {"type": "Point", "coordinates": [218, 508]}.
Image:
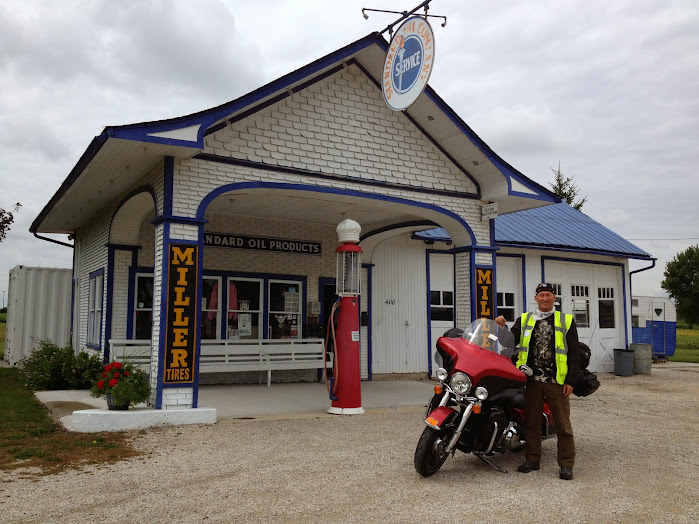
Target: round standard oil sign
{"type": "Point", "coordinates": [408, 63]}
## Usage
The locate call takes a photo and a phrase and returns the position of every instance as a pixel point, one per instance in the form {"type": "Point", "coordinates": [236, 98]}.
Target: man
{"type": "Point", "coordinates": [548, 342]}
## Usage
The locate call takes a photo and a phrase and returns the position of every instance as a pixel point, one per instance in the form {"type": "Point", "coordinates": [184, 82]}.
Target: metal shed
{"type": "Point", "coordinates": [38, 308]}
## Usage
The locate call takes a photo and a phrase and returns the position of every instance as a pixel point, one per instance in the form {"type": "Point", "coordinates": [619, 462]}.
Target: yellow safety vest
{"type": "Point", "coordinates": [560, 342]}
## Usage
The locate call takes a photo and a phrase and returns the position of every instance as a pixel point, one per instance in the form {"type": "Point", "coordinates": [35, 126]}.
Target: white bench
{"type": "Point", "coordinates": [220, 356]}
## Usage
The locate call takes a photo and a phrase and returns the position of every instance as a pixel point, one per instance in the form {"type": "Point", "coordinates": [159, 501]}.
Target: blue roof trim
{"type": "Point", "coordinates": [506, 169]}
{"type": "Point", "coordinates": [565, 229]}
{"type": "Point", "coordinates": [85, 159]}
{"type": "Point", "coordinates": [140, 132]}
{"type": "Point", "coordinates": [204, 204]}
{"type": "Point", "coordinates": [412, 223]}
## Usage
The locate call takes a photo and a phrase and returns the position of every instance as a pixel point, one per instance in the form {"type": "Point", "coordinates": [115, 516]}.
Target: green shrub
{"type": "Point", "coordinates": [51, 367]}
{"type": "Point", "coordinates": [684, 325]}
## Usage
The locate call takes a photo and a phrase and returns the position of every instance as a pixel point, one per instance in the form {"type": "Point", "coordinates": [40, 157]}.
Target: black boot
{"type": "Point", "coordinates": [527, 466]}
{"type": "Point", "coordinates": [566, 473]}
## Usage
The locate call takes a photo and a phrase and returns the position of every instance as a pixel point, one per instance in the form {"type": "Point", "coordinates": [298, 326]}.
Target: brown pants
{"type": "Point", "coordinates": [534, 395]}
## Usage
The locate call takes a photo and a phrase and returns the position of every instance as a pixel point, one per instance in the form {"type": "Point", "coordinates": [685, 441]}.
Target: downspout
{"type": "Point", "coordinates": [639, 271]}
{"type": "Point", "coordinates": [54, 241]}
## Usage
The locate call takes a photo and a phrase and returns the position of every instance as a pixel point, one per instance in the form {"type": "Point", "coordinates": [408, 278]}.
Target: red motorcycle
{"type": "Point", "coordinates": [478, 406]}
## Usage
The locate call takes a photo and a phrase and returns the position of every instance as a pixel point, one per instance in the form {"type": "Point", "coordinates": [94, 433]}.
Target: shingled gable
{"type": "Point", "coordinates": [121, 155]}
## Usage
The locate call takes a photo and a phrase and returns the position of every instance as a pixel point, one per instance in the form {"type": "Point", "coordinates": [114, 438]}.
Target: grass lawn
{"type": "Point", "coordinates": [687, 349]}
{"type": "Point", "coordinates": [31, 438]}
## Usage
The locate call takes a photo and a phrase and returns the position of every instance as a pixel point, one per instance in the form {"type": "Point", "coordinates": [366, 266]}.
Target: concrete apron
{"type": "Point", "coordinates": [80, 412]}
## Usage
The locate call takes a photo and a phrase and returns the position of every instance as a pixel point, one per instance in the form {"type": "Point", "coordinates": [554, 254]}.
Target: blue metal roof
{"type": "Point", "coordinates": [558, 226]}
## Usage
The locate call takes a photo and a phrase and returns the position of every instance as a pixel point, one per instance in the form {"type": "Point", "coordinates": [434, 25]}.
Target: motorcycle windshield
{"type": "Point", "coordinates": [487, 334]}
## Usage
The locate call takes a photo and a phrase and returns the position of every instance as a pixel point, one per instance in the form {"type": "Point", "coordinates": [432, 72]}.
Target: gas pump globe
{"type": "Point", "coordinates": [349, 259]}
{"type": "Point", "coordinates": [346, 393]}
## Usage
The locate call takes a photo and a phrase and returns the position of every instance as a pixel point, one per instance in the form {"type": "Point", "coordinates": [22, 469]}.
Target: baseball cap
{"type": "Point", "coordinates": [544, 287]}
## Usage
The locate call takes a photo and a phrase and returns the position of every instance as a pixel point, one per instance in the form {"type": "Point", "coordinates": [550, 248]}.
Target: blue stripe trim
{"type": "Point", "coordinates": [139, 132]}
{"type": "Point", "coordinates": [506, 169]}
{"type": "Point", "coordinates": [85, 159]}
{"type": "Point", "coordinates": [412, 223]}
{"type": "Point", "coordinates": [208, 157]}
{"type": "Point", "coordinates": [206, 201]}
{"type": "Point", "coordinates": [517, 245]}
{"type": "Point", "coordinates": [177, 220]}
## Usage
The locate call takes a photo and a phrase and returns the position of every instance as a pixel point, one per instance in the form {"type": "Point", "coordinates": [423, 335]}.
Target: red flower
{"type": "Point", "coordinates": [116, 365]}
{"type": "Point", "coordinates": [113, 382]}
{"type": "Point", "coordinates": [104, 374]}
{"type": "Point", "coordinates": [116, 375]}
{"type": "Point", "coordinates": [100, 384]}
{"type": "Point", "coordinates": [108, 367]}
{"type": "Point", "coordinates": [126, 373]}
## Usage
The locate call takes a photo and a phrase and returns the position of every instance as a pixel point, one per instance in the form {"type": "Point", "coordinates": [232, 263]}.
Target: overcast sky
{"type": "Point", "coordinates": [607, 88]}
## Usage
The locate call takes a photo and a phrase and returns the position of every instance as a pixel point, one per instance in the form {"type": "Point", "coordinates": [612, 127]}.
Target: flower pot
{"type": "Point", "coordinates": [116, 407]}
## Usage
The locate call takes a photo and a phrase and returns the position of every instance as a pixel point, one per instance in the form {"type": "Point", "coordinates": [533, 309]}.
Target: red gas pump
{"type": "Point", "coordinates": [346, 394]}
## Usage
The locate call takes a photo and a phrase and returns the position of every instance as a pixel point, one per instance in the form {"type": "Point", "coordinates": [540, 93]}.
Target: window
{"type": "Point", "coordinates": [506, 306]}
{"type": "Point", "coordinates": [634, 321]}
{"type": "Point", "coordinates": [210, 308]}
{"type": "Point", "coordinates": [94, 308]}
{"type": "Point", "coordinates": [634, 302]}
{"type": "Point", "coordinates": [284, 309]}
{"type": "Point", "coordinates": [143, 308]}
{"type": "Point", "coordinates": [442, 305]}
{"type": "Point", "coordinates": [581, 305]}
{"type": "Point", "coordinates": [244, 308]}
{"type": "Point", "coordinates": [605, 297]}
{"type": "Point", "coordinates": [559, 297]}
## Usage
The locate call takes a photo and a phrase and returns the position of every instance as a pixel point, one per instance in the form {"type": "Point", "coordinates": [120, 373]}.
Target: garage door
{"type": "Point", "coordinates": [592, 293]}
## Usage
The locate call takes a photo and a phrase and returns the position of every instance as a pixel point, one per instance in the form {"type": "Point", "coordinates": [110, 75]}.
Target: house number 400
{"type": "Point", "coordinates": [390, 301]}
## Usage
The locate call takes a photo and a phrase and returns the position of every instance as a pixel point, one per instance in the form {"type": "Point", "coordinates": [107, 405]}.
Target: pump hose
{"type": "Point", "coordinates": [331, 324]}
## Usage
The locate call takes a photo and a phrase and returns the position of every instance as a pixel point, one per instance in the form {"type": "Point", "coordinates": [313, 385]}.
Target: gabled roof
{"type": "Point", "coordinates": [559, 227]}
{"type": "Point", "coordinates": [122, 155]}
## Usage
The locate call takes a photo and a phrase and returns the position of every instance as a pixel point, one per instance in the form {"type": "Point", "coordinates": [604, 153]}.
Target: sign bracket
{"type": "Point", "coordinates": [404, 15]}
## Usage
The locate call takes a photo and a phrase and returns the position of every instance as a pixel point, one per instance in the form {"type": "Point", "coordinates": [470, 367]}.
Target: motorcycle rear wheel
{"type": "Point", "coordinates": [430, 453]}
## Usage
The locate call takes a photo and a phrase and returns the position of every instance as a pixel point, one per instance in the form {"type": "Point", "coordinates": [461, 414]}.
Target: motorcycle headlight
{"type": "Point", "coordinates": [460, 383]}
{"type": "Point", "coordinates": [481, 393]}
{"type": "Point", "coordinates": [442, 374]}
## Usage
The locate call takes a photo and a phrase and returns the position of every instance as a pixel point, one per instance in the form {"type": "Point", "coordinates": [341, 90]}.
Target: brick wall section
{"type": "Point", "coordinates": [341, 126]}
{"type": "Point", "coordinates": [462, 280]}
{"type": "Point", "coordinates": [120, 303]}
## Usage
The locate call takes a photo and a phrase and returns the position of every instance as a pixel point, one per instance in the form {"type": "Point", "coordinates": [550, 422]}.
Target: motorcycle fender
{"type": "Point", "coordinates": [438, 416]}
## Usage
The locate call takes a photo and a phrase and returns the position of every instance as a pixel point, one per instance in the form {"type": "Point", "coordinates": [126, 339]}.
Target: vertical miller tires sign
{"type": "Point", "coordinates": [408, 63]}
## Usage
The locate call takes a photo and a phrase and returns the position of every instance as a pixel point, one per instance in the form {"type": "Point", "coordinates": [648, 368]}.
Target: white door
{"type": "Point", "coordinates": [399, 308]}
{"type": "Point", "coordinates": [441, 300]}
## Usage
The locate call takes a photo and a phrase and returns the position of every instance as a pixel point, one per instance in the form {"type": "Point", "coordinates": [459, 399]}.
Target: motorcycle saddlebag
{"type": "Point", "coordinates": [587, 384]}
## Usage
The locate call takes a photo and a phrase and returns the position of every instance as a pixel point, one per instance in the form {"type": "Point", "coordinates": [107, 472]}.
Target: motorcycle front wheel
{"type": "Point", "coordinates": [430, 453]}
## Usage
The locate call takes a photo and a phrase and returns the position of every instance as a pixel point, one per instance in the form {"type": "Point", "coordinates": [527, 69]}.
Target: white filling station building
{"type": "Point", "coordinates": [212, 234]}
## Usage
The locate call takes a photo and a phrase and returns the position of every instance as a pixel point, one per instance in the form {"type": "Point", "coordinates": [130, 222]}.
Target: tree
{"type": "Point", "coordinates": [565, 187]}
{"type": "Point", "coordinates": [682, 283]}
{"type": "Point", "coordinates": [6, 219]}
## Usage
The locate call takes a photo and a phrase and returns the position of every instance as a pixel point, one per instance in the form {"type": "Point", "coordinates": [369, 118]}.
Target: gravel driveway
{"type": "Point", "coordinates": [638, 461]}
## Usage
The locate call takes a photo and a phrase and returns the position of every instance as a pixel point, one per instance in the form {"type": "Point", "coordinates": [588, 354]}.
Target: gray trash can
{"type": "Point", "coordinates": [623, 362]}
{"type": "Point", "coordinates": [642, 358]}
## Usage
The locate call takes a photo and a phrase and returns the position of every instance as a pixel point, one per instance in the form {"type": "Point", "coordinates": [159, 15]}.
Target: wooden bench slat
{"type": "Point", "coordinates": [238, 355]}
